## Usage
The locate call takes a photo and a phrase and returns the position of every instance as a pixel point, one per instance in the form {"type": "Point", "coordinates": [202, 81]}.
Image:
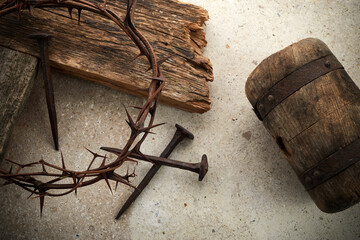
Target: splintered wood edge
{"type": "Point", "coordinates": [199, 66]}
{"type": "Point", "coordinates": [17, 76]}
{"type": "Point", "coordinates": [195, 107]}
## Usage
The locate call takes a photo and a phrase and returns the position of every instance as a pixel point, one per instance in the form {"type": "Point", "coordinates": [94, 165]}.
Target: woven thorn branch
{"type": "Point", "coordinates": [139, 131]}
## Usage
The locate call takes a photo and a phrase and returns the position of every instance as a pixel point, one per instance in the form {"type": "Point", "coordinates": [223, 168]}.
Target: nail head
{"type": "Point", "coordinates": [187, 133]}
{"type": "Point", "coordinates": [40, 36]}
{"type": "Point", "coordinates": [203, 167]}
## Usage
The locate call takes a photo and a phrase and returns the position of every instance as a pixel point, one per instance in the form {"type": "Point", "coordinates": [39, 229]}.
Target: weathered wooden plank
{"type": "Point", "coordinates": [17, 72]}
{"type": "Point", "coordinates": [97, 49]}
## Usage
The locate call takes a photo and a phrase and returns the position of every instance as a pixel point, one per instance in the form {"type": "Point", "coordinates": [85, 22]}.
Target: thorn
{"type": "Point", "coordinates": [103, 6]}
{"type": "Point", "coordinates": [129, 117]}
{"type": "Point", "coordinates": [139, 55]}
{"type": "Point", "coordinates": [161, 61]}
{"type": "Point", "coordinates": [79, 13]}
{"type": "Point", "coordinates": [75, 182]}
{"type": "Point", "coordinates": [130, 122]}
{"type": "Point", "coordinates": [41, 161]}
{"type": "Point", "coordinates": [10, 171]}
{"type": "Point", "coordinates": [127, 176]}
{"type": "Point", "coordinates": [136, 107]}
{"type": "Point", "coordinates": [43, 168]}
{"type": "Point", "coordinates": [112, 150]}
{"type": "Point", "coordinates": [70, 12]}
{"type": "Point", "coordinates": [30, 195]}
{"type": "Point", "coordinates": [62, 160]}
{"type": "Point", "coordinates": [149, 132]}
{"type": "Point", "coordinates": [103, 163]}
{"type": "Point", "coordinates": [63, 163]}
{"type": "Point", "coordinates": [93, 153]}
{"type": "Point", "coordinates": [117, 183]}
{"type": "Point", "coordinates": [33, 192]}
{"type": "Point", "coordinates": [157, 78]}
{"type": "Point", "coordinates": [107, 182]}
{"type": "Point", "coordinates": [118, 178]}
{"type": "Point", "coordinates": [150, 127]}
{"type": "Point", "coordinates": [133, 174]}
{"type": "Point", "coordinates": [42, 200]}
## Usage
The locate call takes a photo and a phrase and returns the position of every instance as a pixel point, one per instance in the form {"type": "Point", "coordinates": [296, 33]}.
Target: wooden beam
{"type": "Point", "coordinates": [97, 50]}
{"type": "Point", "coordinates": [17, 73]}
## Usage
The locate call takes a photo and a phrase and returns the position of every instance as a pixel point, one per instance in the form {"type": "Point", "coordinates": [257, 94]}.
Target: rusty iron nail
{"type": "Point", "coordinates": [180, 134]}
{"type": "Point", "coordinates": [201, 167]}
{"type": "Point", "coordinates": [43, 39]}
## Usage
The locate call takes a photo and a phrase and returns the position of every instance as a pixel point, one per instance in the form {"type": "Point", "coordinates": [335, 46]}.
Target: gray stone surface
{"type": "Point", "coordinates": [250, 191]}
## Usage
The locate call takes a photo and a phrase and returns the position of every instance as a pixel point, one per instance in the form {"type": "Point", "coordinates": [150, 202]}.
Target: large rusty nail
{"type": "Point", "coordinates": [180, 134]}
{"type": "Point", "coordinates": [201, 168]}
{"type": "Point", "coordinates": [43, 39]}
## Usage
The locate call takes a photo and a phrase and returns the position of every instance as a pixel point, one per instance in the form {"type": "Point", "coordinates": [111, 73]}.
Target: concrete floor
{"type": "Point", "coordinates": [250, 191]}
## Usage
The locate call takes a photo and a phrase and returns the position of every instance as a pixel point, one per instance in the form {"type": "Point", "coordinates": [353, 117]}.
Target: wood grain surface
{"type": "Point", "coordinates": [97, 50]}
{"type": "Point", "coordinates": [315, 121]}
{"type": "Point", "coordinates": [17, 73]}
